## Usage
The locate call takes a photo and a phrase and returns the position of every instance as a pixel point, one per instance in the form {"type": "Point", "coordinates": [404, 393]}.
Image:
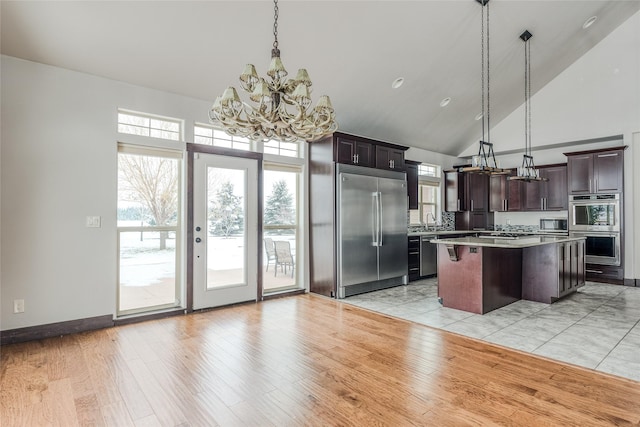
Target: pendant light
{"type": "Point", "coordinates": [485, 161]}
{"type": "Point", "coordinates": [527, 172]}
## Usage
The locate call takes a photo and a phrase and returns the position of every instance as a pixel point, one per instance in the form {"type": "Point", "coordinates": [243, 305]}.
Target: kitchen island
{"type": "Point", "coordinates": [481, 274]}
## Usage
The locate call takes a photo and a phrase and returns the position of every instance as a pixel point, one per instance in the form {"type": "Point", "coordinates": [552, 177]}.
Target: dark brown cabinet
{"type": "Point", "coordinates": [414, 257]}
{"type": "Point", "coordinates": [504, 194]}
{"type": "Point", "coordinates": [592, 172]}
{"type": "Point", "coordinates": [466, 192]}
{"type": "Point", "coordinates": [354, 152]}
{"type": "Point", "coordinates": [547, 195]}
{"type": "Point", "coordinates": [389, 158]}
{"type": "Point", "coordinates": [515, 195]}
{"type": "Point", "coordinates": [412, 182]}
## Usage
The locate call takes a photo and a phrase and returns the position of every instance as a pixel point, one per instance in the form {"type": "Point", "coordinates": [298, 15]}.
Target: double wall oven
{"type": "Point", "coordinates": [597, 218]}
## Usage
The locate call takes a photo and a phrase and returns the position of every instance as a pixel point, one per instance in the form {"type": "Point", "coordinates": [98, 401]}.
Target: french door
{"type": "Point", "coordinates": [225, 230]}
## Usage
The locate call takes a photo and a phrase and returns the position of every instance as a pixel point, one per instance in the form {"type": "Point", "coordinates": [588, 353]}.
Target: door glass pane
{"type": "Point", "coordinates": [147, 269]}
{"type": "Point", "coordinates": [280, 230]}
{"type": "Point", "coordinates": [226, 243]}
{"type": "Point", "coordinates": [148, 224]}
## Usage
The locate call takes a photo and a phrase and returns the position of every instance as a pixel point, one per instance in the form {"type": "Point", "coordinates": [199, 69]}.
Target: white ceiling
{"type": "Point", "coordinates": [353, 50]}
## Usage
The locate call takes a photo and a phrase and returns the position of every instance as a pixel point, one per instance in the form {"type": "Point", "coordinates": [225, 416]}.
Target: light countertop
{"type": "Point", "coordinates": [497, 242]}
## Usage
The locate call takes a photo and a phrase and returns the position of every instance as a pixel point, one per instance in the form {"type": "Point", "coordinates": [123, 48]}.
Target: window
{"type": "Point", "coordinates": [428, 211]}
{"type": "Point", "coordinates": [148, 229]}
{"type": "Point", "coordinates": [282, 239]}
{"type": "Point", "coordinates": [149, 125]}
{"type": "Point", "coordinates": [207, 135]}
{"type": "Point", "coordinates": [288, 149]}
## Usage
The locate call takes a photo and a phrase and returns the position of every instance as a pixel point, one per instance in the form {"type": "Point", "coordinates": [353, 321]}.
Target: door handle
{"type": "Point", "coordinates": [380, 243]}
{"type": "Point", "coordinates": [375, 222]}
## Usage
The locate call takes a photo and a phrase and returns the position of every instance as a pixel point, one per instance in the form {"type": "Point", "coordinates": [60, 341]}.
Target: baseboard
{"type": "Point", "coordinates": [632, 282]}
{"type": "Point", "coordinates": [55, 329]}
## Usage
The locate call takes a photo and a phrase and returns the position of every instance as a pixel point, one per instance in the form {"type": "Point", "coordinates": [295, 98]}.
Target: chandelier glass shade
{"type": "Point", "coordinates": [281, 107]}
{"type": "Point", "coordinates": [527, 171]}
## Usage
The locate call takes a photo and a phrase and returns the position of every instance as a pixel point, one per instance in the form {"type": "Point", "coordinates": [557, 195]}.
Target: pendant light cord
{"type": "Point", "coordinates": [486, 114]}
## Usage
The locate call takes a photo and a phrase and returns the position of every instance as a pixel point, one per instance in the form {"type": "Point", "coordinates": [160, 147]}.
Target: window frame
{"type": "Point", "coordinates": [151, 118]}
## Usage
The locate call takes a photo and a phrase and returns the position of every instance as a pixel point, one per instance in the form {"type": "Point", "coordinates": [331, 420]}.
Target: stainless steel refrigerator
{"type": "Point", "coordinates": [372, 229]}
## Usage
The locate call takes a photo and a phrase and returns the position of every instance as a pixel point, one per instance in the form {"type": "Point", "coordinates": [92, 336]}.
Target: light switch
{"type": "Point", "coordinates": [93, 221]}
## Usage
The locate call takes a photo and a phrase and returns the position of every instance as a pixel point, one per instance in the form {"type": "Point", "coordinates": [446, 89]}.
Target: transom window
{"type": "Point", "coordinates": [209, 136]}
{"type": "Point", "coordinates": [288, 149]}
{"type": "Point", "coordinates": [148, 125]}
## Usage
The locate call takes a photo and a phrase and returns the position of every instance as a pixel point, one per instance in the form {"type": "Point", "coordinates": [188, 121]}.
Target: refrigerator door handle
{"type": "Point", "coordinates": [375, 224]}
{"type": "Point", "coordinates": [380, 243]}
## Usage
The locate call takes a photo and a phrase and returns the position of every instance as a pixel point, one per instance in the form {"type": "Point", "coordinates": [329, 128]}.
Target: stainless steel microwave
{"type": "Point", "coordinates": [595, 212]}
{"type": "Point", "coordinates": [553, 224]}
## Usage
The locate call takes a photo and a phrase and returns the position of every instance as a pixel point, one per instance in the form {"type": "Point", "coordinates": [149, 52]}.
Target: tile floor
{"type": "Point", "coordinates": [597, 327]}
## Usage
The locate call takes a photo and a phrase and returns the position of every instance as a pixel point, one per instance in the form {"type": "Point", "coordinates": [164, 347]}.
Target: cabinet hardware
{"type": "Point", "coordinates": [608, 155]}
{"type": "Point", "coordinates": [594, 271]}
{"type": "Point", "coordinates": [458, 205]}
{"type": "Point", "coordinates": [472, 205]}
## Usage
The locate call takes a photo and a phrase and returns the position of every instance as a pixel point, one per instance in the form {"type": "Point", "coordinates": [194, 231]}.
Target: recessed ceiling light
{"type": "Point", "coordinates": [445, 102]}
{"type": "Point", "coordinates": [478, 116]}
{"type": "Point", "coordinates": [589, 22]}
{"type": "Point", "coordinates": [397, 82]}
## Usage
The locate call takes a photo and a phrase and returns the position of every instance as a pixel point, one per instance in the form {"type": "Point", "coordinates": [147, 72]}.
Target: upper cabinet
{"type": "Point", "coordinates": [353, 152]}
{"type": "Point", "coordinates": [389, 158]}
{"type": "Point", "coordinates": [550, 195]}
{"type": "Point", "coordinates": [359, 151]}
{"type": "Point", "coordinates": [412, 182]}
{"type": "Point", "coordinates": [514, 195]}
{"type": "Point", "coordinates": [504, 194]}
{"type": "Point", "coordinates": [466, 192]}
{"type": "Point", "coordinates": [597, 171]}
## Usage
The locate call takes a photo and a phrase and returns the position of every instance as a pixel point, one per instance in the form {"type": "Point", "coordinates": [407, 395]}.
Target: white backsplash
{"type": "Point", "coordinates": [510, 220]}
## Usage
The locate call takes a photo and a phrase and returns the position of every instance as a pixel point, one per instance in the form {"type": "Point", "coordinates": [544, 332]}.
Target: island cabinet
{"type": "Point", "coordinates": [478, 279]}
{"type": "Point", "coordinates": [550, 272]}
{"type": "Point", "coordinates": [550, 195]}
{"type": "Point", "coordinates": [596, 171]}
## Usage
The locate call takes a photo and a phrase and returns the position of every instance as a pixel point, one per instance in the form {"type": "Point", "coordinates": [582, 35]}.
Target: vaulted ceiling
{"type": "Point", "coordinates": [353, 51]}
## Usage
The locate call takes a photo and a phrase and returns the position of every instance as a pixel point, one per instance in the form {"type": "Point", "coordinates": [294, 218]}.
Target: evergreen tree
{"type": "Point", "coordinates": [226, 216]}
{"type": "Point", "coordinates": [279, 207]}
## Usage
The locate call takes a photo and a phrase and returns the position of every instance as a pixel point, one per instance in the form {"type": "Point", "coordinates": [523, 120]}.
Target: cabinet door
{"type": "Point", "coordinates": [389, 158]}
{"type": "Point", "coordinates": [607, 172]}
{"type": "Point", "coordinates": [354, 152]}
{"type": "Point", "coordinates": [478, 192]}
{"type": "Point", "coordinates": [498, 193]}
{"type": "Point", "coordinates": [412, 185]}
{"type": "Point", "coordinates": [533, 196]}
{"type": "Point", "coordinates": [555, 194]}
{"type": "Point", "coordinates": [580, 173]}
{"type": "Point", "coordinates": [454, 191]}
{"type": "Point", "coordinates": [515, 195]}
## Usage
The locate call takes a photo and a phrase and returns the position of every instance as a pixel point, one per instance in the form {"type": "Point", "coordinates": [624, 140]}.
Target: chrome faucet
{"type": "Point", "coordinates": [434, 221]}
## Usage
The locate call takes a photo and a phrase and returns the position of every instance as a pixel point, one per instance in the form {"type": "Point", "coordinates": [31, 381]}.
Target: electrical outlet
{"type": "Point", "coordinates": [18, 306]}
{"type": "Point", "coordinates": [93, 221]}
{"type": "Point", "coordinates": [508, 222]}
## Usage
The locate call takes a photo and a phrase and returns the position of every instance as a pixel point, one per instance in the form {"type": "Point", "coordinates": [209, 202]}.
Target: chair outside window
{"type": "Point", "coordinates": [284, 259]}
{"type": "Point", "coordinates": [270, 250]}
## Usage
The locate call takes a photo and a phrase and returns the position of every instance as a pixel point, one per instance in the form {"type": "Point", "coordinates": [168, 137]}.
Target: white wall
{"type": "Point", "coordinates": [596, 97]}
{"type": "Point", "coordinates": [59, 163]}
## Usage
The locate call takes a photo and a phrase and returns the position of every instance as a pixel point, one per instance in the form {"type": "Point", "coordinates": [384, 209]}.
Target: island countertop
{"type": "Point", "coordinates": [497, 242]}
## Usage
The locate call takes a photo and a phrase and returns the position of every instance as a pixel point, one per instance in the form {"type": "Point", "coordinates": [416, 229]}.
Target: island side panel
{"type": "Point", "coordinates": [540, 273]}
{"type": "Point", "coordinates": [501, 277]}
{"type": "Point", "coordinates": [460, 282]}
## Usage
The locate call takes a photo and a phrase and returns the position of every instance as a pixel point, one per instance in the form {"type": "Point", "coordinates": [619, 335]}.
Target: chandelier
{"type": "Point", "coordinates": [485, 161]}
{"type": "Point", "coordinates": [281, 109]}
{"type": "Point", "coordinates": [527, 172]}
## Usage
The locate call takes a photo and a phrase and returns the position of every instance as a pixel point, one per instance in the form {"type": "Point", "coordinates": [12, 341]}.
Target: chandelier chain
{"type": "Point", "coordinates": [275, 23]}
{"type": "Point", "coordinates": [482, 68]}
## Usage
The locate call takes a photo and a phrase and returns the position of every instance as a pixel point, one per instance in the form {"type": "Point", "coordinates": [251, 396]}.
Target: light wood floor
{"type": "Point", "coordinates": [302, 360]}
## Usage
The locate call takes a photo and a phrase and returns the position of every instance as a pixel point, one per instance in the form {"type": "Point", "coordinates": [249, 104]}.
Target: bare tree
{"type": "Point", "coordinates": [152, 182]}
